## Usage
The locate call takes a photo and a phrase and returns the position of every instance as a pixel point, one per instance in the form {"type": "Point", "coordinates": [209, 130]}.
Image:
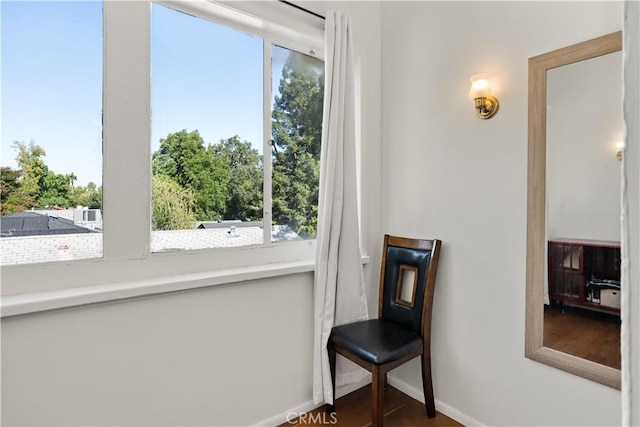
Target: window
{"type": "Point", "coordinates": [115, 39]}
{"type": "Point", "coordinates": [212, 184]}
{"type": "Point", "coordinates": [296, 130]}
{"type": "Point", "coordinates": [51, 173]}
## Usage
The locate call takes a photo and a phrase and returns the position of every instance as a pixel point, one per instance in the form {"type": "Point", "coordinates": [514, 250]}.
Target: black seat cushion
{"type": "Point", "coordinates": [376, 341]}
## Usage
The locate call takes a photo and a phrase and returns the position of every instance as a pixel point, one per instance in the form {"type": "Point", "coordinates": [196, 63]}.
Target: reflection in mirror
{"type": "Point", "coordinates": [583, 209]}
{"type": "Point", "coordinates": [407, 282]}
{"type": "Point", "coordinates": [573, 202]}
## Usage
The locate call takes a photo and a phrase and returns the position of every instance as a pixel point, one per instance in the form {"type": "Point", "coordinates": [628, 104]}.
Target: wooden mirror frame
{"type": "Point", "coordinates": [536, 209]}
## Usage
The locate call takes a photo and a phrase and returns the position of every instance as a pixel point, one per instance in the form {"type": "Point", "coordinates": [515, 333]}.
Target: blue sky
{"type": "Point", "coordinates": [52, 83]}
{"type": "Point", "coordinates": [204, 76]}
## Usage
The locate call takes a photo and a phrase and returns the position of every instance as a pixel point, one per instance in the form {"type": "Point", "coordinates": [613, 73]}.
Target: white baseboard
{"type": "Point", "coordinates": [403, 386]}
{"type": "Point", "coordinates": [350, 388]}
{"type": "Point", "coordinates": [288, 415]}
{"type": "Point", "coordinates": [441, 407]}
{"type": "Point", "coordinates": [309, 406]}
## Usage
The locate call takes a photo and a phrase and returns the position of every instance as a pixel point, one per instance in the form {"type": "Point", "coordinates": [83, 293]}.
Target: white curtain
{"type": "Point", "coordinates": [338, 283]}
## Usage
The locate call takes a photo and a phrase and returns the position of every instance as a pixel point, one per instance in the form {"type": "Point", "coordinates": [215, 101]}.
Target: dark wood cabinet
{"type": "Point", "coordinates": [575, 262]}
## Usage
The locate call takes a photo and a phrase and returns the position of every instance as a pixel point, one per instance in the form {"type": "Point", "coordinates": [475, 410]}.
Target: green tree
{"type": "Point", "coordinates": [183, 157]}
{"type": "Point", "coordinates": [244, 195]}
{"type": "Point", "coordinates": [57, 190]}
{"type": "Point", "coordinates": [89, 196]}
{"type": "Point", "coordinates": [12, 198]}
{"type": "Point", "coordinates": [172, 205]}
{"type": "Point", "coordinates": [296, 132]}
{"type": "Point", "coordinates": [38, 182]}
{"type": "Point", "coordinates": [32, 167]}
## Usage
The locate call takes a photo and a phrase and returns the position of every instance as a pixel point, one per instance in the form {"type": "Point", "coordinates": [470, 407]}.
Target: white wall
{"type": "Point", "coordinates": [583, 173]}
{"type": "Point", "coordinates": [631, 228]}
{"type": "Point", "coordinates": [452, 176]}
{"type": "Point", "coordinates": [230, 355]}
{"type": "Point", "coordinates": [220, 356]}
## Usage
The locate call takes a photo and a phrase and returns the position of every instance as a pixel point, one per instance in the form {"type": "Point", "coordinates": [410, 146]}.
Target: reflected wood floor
{"type": "Point", "coordinates": [354, 410]}
{"type": "Point", "coordinates": [587, 334]}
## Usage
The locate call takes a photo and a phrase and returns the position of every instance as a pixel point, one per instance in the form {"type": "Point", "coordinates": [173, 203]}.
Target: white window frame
{"type": "Point", "coordinates": [128, 268]}
{"type": "Point", "coordinates": [271, 33]}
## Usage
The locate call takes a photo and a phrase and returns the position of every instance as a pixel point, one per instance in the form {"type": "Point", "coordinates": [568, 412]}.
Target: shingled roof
{"type": "Point", "coordinates": [35, 224]}
{"type": "Point", "coordinates": [70, 246]}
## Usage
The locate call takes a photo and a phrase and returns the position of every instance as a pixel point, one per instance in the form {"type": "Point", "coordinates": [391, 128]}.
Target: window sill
{"type": "Point", "coordinates": [14, 305]}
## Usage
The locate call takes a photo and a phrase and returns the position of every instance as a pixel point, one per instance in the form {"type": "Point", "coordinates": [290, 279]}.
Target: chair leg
{"type": "Point", "coordinates": [332, 365]}
{"type": "Point", "coordinates": [427, 386]}
{"type": "Point", "coordinates": [377, 392]}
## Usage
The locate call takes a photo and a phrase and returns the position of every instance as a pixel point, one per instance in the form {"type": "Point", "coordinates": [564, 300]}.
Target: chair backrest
{"type": "Point", "coordinates": [411, 263]}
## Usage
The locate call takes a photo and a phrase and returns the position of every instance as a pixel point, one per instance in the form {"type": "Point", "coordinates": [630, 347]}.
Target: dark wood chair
{"type": "Point", "coordinates": [403, 328]}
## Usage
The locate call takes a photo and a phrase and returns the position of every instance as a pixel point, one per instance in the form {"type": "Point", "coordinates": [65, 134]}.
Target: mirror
{"type": "Point", "coordinates": [571, 259]}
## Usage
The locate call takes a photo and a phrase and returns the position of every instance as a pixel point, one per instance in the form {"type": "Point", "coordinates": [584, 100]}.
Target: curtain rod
{"type": "Point", "coordinates": [302, 9]}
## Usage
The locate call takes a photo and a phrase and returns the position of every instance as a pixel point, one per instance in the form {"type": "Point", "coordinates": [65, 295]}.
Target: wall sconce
{"type": "Point", "coordinates": [486, 105]}
{"type": "Point", "coordinates": [619, 150]}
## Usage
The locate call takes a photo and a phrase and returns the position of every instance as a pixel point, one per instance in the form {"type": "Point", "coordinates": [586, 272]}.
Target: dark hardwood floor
{"type": "Point", "coordinates": [354, 410]}
{"type": "Point", "coordinates": [587, 334]}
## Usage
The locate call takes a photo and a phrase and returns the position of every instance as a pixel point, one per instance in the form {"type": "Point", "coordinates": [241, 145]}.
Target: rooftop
{"type": "Point", "coordinates": [36, 224]}
{"type": "Point", "coordinates": [65, 247]}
